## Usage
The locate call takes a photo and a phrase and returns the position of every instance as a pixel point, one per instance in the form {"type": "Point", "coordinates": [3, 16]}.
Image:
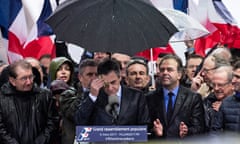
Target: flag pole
{"type": "Point", "coordinates": [152, 67]}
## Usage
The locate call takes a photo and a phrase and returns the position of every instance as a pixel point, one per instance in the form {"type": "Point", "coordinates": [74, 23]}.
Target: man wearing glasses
{"type": "Point", "coordinates": [202, 82]}
{"type": "Point", "coordinates": [222, 87]}
{"type": "Point", "coordinates": [228, 117]}
{"type": "Point", "coordinates": [27, 112]}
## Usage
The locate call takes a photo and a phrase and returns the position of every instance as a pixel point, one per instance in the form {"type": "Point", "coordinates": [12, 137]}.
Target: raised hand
{"type": "Point", "coordinates": [95, 86]}
{"type": "Point", "coordinates": [183, 130]}
{"type": "Point", "coordinates": [158, 128]}
{"type": "Point", "coordinates": [196, 82]}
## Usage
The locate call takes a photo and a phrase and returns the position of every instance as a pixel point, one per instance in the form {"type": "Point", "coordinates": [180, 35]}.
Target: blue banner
{"type": "Point", "coordinates": [111, 133]}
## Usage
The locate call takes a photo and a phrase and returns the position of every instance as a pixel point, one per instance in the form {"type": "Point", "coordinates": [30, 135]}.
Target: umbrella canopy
{"type": "Point", "coordinates": [188, 27]}
{"type": "Point", "coordinates": [125, 26]}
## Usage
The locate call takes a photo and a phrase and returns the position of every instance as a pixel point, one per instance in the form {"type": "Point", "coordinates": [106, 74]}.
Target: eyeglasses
{"type": "Point", "coordinates": [207, 70]}
{"type": "Point", "coordinates": [213, 85]}
{"type": "Point", "coordinates": [25, 78]}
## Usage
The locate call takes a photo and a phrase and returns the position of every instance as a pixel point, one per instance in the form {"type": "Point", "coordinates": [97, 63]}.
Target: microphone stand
{"type": "Point", "coordinates": [114, 112]}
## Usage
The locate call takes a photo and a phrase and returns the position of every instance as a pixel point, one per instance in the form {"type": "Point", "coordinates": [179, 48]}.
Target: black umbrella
{"type": "Point", "coordinates": [126, 26]}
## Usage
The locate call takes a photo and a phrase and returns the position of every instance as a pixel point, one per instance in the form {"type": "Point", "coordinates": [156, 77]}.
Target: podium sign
{"type": "Point", "coordinates": [111, 133]}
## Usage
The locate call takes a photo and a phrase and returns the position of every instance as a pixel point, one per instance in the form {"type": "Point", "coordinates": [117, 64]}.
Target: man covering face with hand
{"type": "Point", "coordinates": [131, 108]}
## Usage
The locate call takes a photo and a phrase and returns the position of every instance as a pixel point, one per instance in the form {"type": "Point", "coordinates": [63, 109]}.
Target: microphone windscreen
{"type": "Point", "coordinates": [113, 104]}
{"type": "Point", "coordinates": [108, 109]}
{"type": "Point", "coordinates": [113, 100]}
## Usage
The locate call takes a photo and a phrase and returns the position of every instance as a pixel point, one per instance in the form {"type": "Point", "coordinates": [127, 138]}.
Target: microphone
{"type": "Point", "coordinates": [112, 107]}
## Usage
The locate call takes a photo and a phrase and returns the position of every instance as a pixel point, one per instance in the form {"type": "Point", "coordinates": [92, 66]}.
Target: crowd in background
{"type": "Point", "coordinates": [43, 100]}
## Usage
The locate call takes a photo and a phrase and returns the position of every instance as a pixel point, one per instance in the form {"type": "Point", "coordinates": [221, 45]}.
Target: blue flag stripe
{"type": "Point", "coordinates": [181, 5]}
{"type": "Point", "coordinates": [43, 28]}
{"type": "Point", "coordinates": [223, 11]}
{"type": "Point", "coordinates": [8, 11]}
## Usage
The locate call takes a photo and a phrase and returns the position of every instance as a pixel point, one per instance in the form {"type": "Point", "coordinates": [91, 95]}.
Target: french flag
{"type": "Point", "coordinates": [219, 17]}
{"type": "Point", "coordinates": [24, 33]}
{"type": "Point", "coordinates": [155, 52]}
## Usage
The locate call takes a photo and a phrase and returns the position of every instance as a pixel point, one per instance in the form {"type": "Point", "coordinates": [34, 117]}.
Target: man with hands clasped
{"type": "Point", "coordinates": [175, 111]}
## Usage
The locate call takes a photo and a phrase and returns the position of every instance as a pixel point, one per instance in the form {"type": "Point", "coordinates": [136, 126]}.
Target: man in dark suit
{"type": "Point", "coordinates": [97, 109]}
{"type": "Point", "coordinates": [174, 110]}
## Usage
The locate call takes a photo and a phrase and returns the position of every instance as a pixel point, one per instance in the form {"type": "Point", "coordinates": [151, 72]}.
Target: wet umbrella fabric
{"type": "Point", "coordinates": [127, 26]}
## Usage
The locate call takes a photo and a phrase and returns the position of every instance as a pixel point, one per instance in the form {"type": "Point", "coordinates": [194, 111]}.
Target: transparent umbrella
{"type": "Point", "coordinates": [188, 27]}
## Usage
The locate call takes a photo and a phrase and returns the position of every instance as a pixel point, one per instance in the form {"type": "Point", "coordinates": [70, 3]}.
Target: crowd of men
{"type": "Point", "coordinates": [42, 101]}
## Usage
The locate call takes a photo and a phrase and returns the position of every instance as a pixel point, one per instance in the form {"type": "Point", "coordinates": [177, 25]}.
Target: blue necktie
{"type": "Point", "coordinates": [170, 106]}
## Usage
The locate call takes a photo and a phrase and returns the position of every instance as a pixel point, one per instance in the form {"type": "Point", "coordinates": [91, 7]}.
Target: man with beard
{"type": "Point", "coordinates": [175, 111]}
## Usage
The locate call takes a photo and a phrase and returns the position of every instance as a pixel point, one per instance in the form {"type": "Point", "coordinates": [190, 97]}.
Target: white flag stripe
{"type": "Point", "coordinates": [3, 49]}
{"type": "Point", "coordinates": [198, 9]}
{"type": "Point", "coordinates": [20, 22]}
{"type": "Point", "coordinates": [14, 56]}
{"type": "Point", "coordinates": [213, 14]}
{"type": "Point", "coordinates": [33, 9]}
{"type": "Point", "coordinates": [234, 9]}
{"type": "Point", "coordinates": [53, 4]}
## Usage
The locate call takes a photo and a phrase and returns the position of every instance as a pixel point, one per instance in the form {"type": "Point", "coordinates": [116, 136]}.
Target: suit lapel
{"type": "Point", "coordinates": [159, 105]}
{"type": "Point", "coordinates": [125, 102]}
{"type": "Point", "coordinates": [178, 103]}
{"type": "Point", "coordinates": [162, 106]}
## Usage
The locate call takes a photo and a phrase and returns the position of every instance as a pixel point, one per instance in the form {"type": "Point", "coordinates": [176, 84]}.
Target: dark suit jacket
{"type": "Point", "coordinates": [133, 110]}
{"type": "Point", "coordinates": [188, 108]}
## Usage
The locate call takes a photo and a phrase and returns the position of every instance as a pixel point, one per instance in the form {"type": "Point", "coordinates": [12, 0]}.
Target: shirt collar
{"type": "Point", "coordinates": [119, 92]}
{"type": "Point", "coordinates": [174, 91]}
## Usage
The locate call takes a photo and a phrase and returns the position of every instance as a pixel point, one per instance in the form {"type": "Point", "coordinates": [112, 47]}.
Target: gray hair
{"type": "Point", "coordinates": [219, 61]}
{"type": "Point", "coordinates": [86, 63]}
{"type": "Point", "coordinates": [222, 52]}
{"type": "Point", "coordinates": [227, 69]}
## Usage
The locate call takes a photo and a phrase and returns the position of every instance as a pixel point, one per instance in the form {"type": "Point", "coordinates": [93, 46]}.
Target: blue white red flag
{"type": "Point", "coordinates": [23, 28]}
{"type": "Point", "coordinates": [219, 17]}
